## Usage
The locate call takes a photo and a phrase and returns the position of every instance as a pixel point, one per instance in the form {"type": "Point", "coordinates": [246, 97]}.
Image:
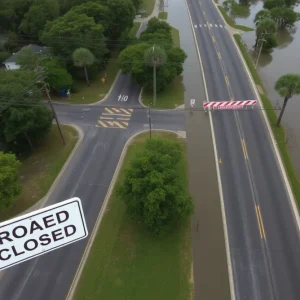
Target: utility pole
{"type": "Point", "coordinates": [154, 77]}
{"type": "Point", "coordinates": [54, 113]}
{"type": "Point", "coordinates": [260, 49]}
{"type": "Point", "coordinates": [47, 89]}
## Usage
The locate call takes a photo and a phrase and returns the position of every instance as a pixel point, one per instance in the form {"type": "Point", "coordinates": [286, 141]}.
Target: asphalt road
{"type": "Point", "coordinates": [88, 177]}
{"type": "Point", "coordinates": [263, 234]}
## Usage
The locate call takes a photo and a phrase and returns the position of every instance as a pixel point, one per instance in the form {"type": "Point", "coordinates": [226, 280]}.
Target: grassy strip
{"type": "Point", "coordinates": [173, 95]}
{"type": "Point", "coordinates": [39, 171]}
{"type": "Point", "coordinates": [135, 28]}
{"type": "Point", "coordinates": [163, 15]}
{"type": "Point", "coordinates": [231, 23]}
{"type": "Point", "coordinates": [278, 132]}
{"type": "Point", "coordinates": [97, 90]}
{"type": "Point", "coordinates": [148, 5]}
{"type": "Point", "coordinates": [125, 262]}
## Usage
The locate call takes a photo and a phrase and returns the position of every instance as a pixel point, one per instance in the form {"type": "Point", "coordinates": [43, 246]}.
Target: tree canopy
{"type": "Point", "coordinates": [152, 190]}
{"type": "Point", "coordinates": [132, 59]}
{"type": "Point", "coordinates": [37, 16]}
{"type": "Point", "coordinates": [24, 118]}
{"type": "Point", "coordinates": [72, 31]}
{"type": "Point", "coordinates": [9, 177]}
{"type": "Point", "coordinates": [287, 85]}
{"type": "Point", "coordinates": [285, 17]}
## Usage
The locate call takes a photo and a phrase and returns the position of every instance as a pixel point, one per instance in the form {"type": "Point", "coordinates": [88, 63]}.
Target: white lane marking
{"type": "Point", "coordinates": [195, 26]}
{"type": "Point", "coordinates": [210, 25]}
{"type": "Point", "coordinates": [216, 25]}
{"type": "Point", "coordinates": [205, 25]}
{"type": "Point", "coordinates": [200, 25]}
{"type": "Point", "coordinates": [221, 26]}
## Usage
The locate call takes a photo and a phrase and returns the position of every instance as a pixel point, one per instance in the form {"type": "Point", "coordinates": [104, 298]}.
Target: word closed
{"type": "Point", "coordinates": [41, 231]}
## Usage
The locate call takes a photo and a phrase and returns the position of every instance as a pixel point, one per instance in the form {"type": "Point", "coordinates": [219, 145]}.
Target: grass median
{"type": "Point", "coordinates": [126, 262]}
{"type": "Point", "coordinates": [163, 15]}
{"type": "Point", "coordinates": [39, 170]}
{"type": "Point", "coordinates": [85, 94]}
{"type": "Point", "coordinates": [173, 95]}
{"type": "Point", "coordinates": [231, 22]}
{"type": "Point", "coordinates": [279, 132]}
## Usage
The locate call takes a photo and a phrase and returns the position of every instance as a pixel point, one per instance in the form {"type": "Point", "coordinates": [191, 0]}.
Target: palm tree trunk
{"type": "Point", "coordinates": [86, 76]}
{"type": "Point", "coordinates": [282, 110]}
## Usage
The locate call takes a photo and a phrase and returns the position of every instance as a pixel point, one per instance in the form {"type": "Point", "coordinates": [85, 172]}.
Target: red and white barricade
{"type": "Point", "coordinates": [229, 104]}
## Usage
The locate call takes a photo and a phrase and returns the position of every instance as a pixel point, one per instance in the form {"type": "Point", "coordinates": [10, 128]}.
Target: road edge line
{"type": "Point", "coordinates": [225, 228]}
{"type": "Point", "coordinates": [96, 227]}
{"type": "Point", "coordinates": [271, 134]}
{"type": "Point", "coordinates": [43, 201]}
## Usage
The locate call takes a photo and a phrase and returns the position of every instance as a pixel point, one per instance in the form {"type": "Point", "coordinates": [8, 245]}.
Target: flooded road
{"type": "Point", "coordinates": [209, 256]}
{"type": "Point", "coordinates": [282, 60]}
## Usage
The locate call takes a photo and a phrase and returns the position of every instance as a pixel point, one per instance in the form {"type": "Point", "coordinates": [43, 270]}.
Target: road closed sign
{"type": "Point", "coordinates": [41, 231]}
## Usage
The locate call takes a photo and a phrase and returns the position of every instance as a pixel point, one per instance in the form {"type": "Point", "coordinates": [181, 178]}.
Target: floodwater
{"type": "Point", "coordinates": [282, 60]}
{"type": "Point", "coordinates": [209, 257]}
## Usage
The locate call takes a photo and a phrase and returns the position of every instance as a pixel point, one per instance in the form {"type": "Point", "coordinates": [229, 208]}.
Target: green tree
{"type": "Point", "coordinates": [264, 27]}
{"type": "Point", "coordinates": [269, 4]}
{"type": "Point", "coordinates": [122, 13]}
{"type": "Point", "coordinates": [54, 72]}
{"type": "Point", "coordinates": [99, 12]}
{"type": "Point", "coordinates": [24, 118]}
{"type": "Point", "coordinates": [152, 191]}
{"type": "Point", "coordinates": [37, 16]}
{"type": "Point", "coordinates": [285, 17]}
{"type": "Point", "coordinates": [261, 15]}
{"type": "Point", "coordinates": [287, 85]}
{"type": "Point", "coordinates": [71, 31]}
{"type": "Point", "coordinates": [9, 177]}
{"type": "Point", "coordinates": [83, 57]}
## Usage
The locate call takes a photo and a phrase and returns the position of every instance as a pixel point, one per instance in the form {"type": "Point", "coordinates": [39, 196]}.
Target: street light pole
{"type": "Point", "coordinates": [260, 49]}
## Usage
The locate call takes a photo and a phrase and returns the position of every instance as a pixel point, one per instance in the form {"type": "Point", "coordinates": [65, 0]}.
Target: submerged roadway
{"type": "Point", "coordinates": [263, 232]}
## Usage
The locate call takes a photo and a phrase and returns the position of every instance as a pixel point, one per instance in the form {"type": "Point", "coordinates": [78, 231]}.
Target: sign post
{"type": "Point", "coordinates": [41, 231]}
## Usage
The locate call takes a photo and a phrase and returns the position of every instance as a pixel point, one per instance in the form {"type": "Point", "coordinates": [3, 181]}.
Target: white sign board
{"type": "Point", "coordinates": [192, 102]}
{"type": "Point", "coordinates": [41, 231]}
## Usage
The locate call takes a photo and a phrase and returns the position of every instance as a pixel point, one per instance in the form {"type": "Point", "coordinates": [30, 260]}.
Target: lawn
{"type": "Point", "coordinates": [173, 95]}
{"type": "Point", "coordinates": [231, 22]}
{"type": "Point", "coordinates": [97, 89]}
{"type": "Point", "coordinates": [135, 28]}
{"type": "Point", "coordinates": [39, 170]}
{"type": "Point", "coordinates": [125, 262]}
{"type": "Point", "coordinates": [148, 5]}
{"type": "Point", "coordinates": [279, 132]}
{"type": "Point", "coordinates": [163, 15]}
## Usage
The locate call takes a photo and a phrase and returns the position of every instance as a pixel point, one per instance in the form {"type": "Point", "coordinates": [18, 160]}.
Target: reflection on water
{"type": "Point", "coordinates": [282, 60]}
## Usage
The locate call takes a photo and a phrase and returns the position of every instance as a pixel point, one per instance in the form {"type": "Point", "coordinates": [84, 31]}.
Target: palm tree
{"type": "Point", "coordinates": [83, 57]}
{"type": "Point", "coordinates": [264, 26]}
{"type": "Point", "coordinates": [287, 85]}
{"type": "Point", "coordinates": [155, 57]}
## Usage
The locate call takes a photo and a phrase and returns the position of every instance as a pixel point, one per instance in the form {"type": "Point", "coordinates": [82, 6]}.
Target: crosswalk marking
{"type": "Point", "coordinates": [115, 117]}
{"type": "Point", "coordinates": [125, 111]}
{"type": "Point", "coordinates": [208, 25]}
{"type": "Point", "coordinates": [102, 124]}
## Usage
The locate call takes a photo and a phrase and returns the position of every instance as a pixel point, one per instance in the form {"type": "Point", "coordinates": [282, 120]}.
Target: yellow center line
{"type": "Point", "coordinates": [213, 38]}
{"type": "Point", "coordinates": [115, 109]}
{"type": "Point", "coordinates": [112, 123]}
{"type": "Point", "coordinates": [123, 119]}
{"type": "Point", "coordinates": [260, 222]}
{"type": "Point", "coordinates": [226, 79]}
{"type": "Point", "coordinates": [110, 111]}
{"type": "Point", "coordinates": [219, 55]}
{"type": "Point", "coordinates": [244, 148]}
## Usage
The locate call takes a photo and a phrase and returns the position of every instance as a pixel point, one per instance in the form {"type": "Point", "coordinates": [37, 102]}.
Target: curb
{"type": "Point", "coordinates": [41, 203]}
{"type": "Point", "coordinates": [274, 143]}
{"type": "Point", "coordinates": [102, 212]}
